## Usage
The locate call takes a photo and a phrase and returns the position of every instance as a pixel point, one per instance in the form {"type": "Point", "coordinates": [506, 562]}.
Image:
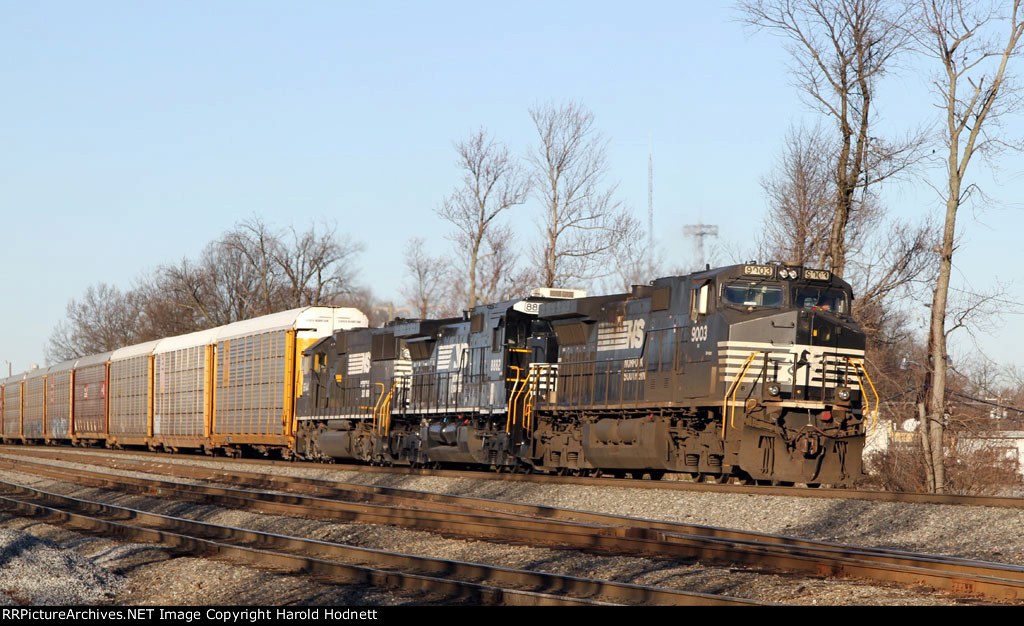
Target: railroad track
{"type": "Point", "coordinates": [671, 485]}
{"type": "Point", "coordinates": [337, 563]}
{"type": "Point", "coordinates": [538, 525]}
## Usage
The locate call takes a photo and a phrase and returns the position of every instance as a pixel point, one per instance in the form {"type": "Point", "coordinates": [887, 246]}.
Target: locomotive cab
{"type": "Point", "coordinates": [794, 373]}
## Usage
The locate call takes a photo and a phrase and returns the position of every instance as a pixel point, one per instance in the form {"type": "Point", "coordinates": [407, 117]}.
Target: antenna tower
{"type": "Point", "coordinates": [699, 232]}
{"type": "Point", "coordinates": [650, 208]}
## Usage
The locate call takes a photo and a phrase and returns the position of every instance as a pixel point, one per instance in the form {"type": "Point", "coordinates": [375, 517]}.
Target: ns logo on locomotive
{"type": "Point", "coordinates": [749, 371]}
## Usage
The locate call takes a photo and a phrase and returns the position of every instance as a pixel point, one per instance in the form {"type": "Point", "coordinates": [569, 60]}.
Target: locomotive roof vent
{"type": "Point", "coordinates": [562, 294]}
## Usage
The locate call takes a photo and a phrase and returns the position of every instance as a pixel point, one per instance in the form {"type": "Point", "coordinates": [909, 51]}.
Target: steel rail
{"type": "Point", "coordinates": [407, 497]}
{"type": "Point", "coordinates": [477, 525]}
{"type": "Point", "coordinates": [899, 497]}
{"type": "Point", "coordinates": [655, 538]}
{"type": "Point", "coordinates": [470, 581]}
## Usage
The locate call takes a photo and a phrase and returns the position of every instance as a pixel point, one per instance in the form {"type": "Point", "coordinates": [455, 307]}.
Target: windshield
{"type": "Point", "coordinates": [820, 299]}
{"type": "Point", "coordinates": [753, 294]}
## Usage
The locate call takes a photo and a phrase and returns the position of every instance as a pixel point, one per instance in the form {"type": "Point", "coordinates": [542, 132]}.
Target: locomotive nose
{"type": "Point", "coordinates": [824, 329]}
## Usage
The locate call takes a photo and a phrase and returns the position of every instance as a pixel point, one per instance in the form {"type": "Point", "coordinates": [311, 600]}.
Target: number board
{"type": "Point", "coordinates": [817, 275]}
{"type": "Point", "coordinates": [767, 271]}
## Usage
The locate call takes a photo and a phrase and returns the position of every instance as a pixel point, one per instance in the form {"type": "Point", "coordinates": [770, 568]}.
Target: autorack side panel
{"type": "Point", "coordinates": [253, 371]}
{"type": "Point", "coordinates": [58, 401]}
{"type": "Point", "coordinates": [34, 417]}
{"type": "Point", "coordinates": [131, 394]}
{"type": "Point", "coordinates": [89, 419]}
{"type": "Point", "coordinates": [183, 373]}
{"type": "Point", "coordinates": [257, 378]}
{"type": "Point", "coordinates": [12, 406]}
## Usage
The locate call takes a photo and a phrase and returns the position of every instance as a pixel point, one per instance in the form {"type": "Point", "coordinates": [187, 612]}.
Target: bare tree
{"type": "Point", "coordinates": [894, 261]}
{"type": "Point", "coordinates": [884, 257]}
{"type": "Point", "coordinates": [250, 249]}
{"type": "Point", "coordinates": [582, 223]}
{"type": "Point", "coordinates": [840, 49]}
{"type": "Point", "coordinates": [800, 196]}
{"type": "Point", "coordinates": [188, 291]}
{"type": "Point", "coordinates": [425, 285]}
{"type": "Point", "coordinates": [493, 182]}
{"type": "Point", "coordinates": [104, 319]}
{"type": "Point", "coordinates": [249, 271]}
{"type": "Point", "coordinates": [633, 265]}
{"type": "Point", "coordinates": [317, 266]}
{"type": "Point", "coordinates": [500, 276]}
{"type": "Point", "coordinates": [972, 49]}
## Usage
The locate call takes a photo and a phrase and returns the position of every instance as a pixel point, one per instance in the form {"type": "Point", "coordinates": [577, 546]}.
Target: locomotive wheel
{"type": "Point", "coordinates": [722, 479]}
{"type": "Point", "coordinates": [746, 479]}
{"type": "Point", "coordinates": [658, 475]}
{"type": "Point", "coordinates": [813, 485]}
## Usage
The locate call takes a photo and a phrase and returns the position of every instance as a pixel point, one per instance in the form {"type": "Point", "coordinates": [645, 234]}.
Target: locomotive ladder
{"type": "Point", "coordinates": [734, 387]}
{"type": "Point", "coordinates": [859, 368]}
{"type": "Point", "coordinates": [525, 390]}
{"type": "Point", "coordinates": [382, 410]}
{"type": "Point", "coordinates": [513, 398]}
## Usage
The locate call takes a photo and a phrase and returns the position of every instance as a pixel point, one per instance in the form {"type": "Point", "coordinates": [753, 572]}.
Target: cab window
{"type": "Point", "coordinates": [752, 294]}
{"type": "Point", "coordinates": [820, 299]}
{"type": "Point", "coordinates": [701, 300]}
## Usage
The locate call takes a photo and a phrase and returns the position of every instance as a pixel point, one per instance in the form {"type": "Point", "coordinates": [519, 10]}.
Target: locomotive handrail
{"type": "Point", "coordinates": [518, 393]}
{"type": "Point", "coordinates": [527, 390]}
{"type": "Point", "coordinates": [377, 405]}
{"type": "Point", "coordinates": [575, 371]}
{"type": "Point", "coordinates": [859, 367]}
{"type": "Point", "coordinates": [733, 388]}
{"type": "Point", "coordinates": [536, 368]}
{"type": "Point", "coordinates": [385, 409]}
{"type": "Point", "coordinates": [511, 418]}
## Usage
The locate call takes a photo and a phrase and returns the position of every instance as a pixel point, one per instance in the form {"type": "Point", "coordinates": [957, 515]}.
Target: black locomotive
{"type": "Point", "coordinates": [750, 371]}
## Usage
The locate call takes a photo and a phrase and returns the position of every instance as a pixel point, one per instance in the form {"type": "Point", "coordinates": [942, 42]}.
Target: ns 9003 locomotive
{"type": "Point", "coordinates": [748, 371]}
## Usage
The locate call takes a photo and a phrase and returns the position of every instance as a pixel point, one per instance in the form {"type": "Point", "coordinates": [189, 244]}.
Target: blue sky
{"type": "Point", "coordinates": [133, 133]}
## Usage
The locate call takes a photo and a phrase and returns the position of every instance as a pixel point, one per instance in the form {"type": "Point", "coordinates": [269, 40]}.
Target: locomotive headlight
{"type": "Point", "coordinates": [774, 390]}
{"type": "Point", "coordinates": [843, 393]}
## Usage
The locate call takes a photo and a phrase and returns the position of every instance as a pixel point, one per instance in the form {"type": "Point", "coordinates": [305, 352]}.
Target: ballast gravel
{"type": "Point", "coordinates": [34, 570]}
{"type": "Point", "coordinates": [145, 575]}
